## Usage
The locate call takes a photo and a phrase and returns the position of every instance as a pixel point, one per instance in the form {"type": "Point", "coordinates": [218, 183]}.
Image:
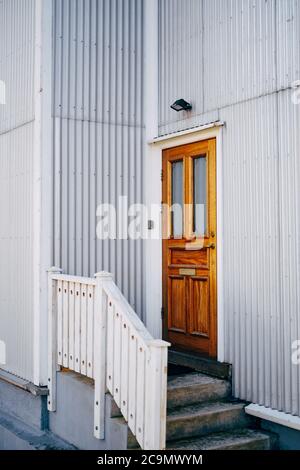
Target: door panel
{"type": "Point", "coordinates": [199, 306]}
{"type": "Point", "coordinates": [177, 303]}
{"type": "Point", "coordinates": [190, 246]}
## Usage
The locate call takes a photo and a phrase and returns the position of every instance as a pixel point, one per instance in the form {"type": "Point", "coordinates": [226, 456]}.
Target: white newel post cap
{"type": "Point", "coordinates": [55, 270]}
{"type": "Point", "coordinates": [104, 276]}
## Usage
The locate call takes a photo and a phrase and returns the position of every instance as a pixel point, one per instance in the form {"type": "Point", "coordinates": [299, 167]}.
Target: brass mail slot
{"type": "Point", "coordinates": [187, 272]}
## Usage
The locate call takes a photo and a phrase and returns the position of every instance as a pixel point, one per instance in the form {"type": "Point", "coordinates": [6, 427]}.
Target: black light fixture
{"type": "Point", "coordinates": [181, 105]}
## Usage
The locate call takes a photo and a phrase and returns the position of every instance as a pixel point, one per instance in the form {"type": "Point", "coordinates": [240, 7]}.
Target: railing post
{"type": "Point", "coordinates": [156, 396]}
{"type": "Point", "coordinates": [100, 320]}
{"type": "Point", "coordinates": [52, 338]}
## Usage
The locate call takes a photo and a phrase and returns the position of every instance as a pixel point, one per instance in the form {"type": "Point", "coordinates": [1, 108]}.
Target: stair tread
{"type": "Point", "coordinates": [203, 409]}
{"type": "Point", "coordinates": [222, 440]}
{"type": "Point", "coordinates": [190, 380]}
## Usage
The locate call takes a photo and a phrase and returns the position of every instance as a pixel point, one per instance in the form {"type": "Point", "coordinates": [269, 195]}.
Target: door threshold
{"type": "Point", "coordinates": [196, 361]}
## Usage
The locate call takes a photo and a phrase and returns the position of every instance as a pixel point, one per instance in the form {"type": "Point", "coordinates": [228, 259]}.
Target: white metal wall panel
{"type": "Point", "coordinates": [98, 134]}
{"type": "Point", "coordinates": [17, 29]}
{"type": "Point", "coordinates": [261, 248]}
{"type": "Point", "coordinates": [288, 42]}
{"type": "Point", "coordinates": [289, 235]}
{"type": "Point", "coordinates": [213, 53]}
{"type": "Point", "coordinates": [16, 286]}
{"type": "Point", "coordinates": [251, 249]}
{"type": "Point", "coordinates": [238, 66]}
{"type": "Point", "coordinates": [17, 62]}
{"type": "Point", "coordinates": [180, 61]}
{"type": "Point", "coordinates": [239, 59]}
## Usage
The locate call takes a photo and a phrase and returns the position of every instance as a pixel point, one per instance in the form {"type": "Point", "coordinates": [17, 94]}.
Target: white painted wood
{"type": "Point", "coordinates": [90, 330]}
{"type": "Point", "coordinates": [52, 340]}
{"type": "Point", "coordinates": [83, 329]}
{"type": "Point", "coordinates": [59, 287]}
{"type": "Point", "coordinates": [132, 380]}
{"type": "Point", "coordinates": [100, 322]}
{"type": "Point", "coordinates": [65, 314]}
{"type": "Point", "coordinates": [78, 279]}
{"type": "Point", "coordinates": [77, 342]}
{"type": "Point", "coordinates": [71, 325]}
{"type": "Point", "coordinates": [117, 357]}
{"type": "Point", "coordinates": [110, 346]}
{"type": "Point", "coordinates": [94, 331]}
{"type": "Point", "coordinates": [156, 395]}
{"type": "Point", "coordinates": [124, 368]}
{"type": "Point", "coordinates": [140, 393]}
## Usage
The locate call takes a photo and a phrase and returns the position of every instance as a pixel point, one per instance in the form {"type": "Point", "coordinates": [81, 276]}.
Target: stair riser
{"type": "Point", "coordinates": [260, 444]}
{"type": "Point", "coordinates": [191, 395]}
{"type": "Point", "coordinates": [202, 425]}
{"type": "Point", "coordinates": [250, 444]}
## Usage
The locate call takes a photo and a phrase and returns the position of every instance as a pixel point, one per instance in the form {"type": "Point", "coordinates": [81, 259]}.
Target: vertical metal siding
{"type": "Point", "coordinates": [241, 73]}
{"type": "Point", "coordinates": [17, 62]}
{"type": "Point", "coordinates": [262, 248]}
{"type": "Point", "coordinates": [214, 53]}
{"type": "Point", "coordinates": [251, 249]}
{"type": "Point", "coordinates": [16, 181]}
{"type": "Point", "coordinates": [288, 42]}
{"type": "Point", "coordinates": [289, 234]}
{"type": "Point", "coordinates": [98, 133]}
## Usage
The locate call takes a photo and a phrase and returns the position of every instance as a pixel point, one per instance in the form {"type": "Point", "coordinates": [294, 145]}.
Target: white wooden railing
{"type": "Point", "coordinates": [94, 331]}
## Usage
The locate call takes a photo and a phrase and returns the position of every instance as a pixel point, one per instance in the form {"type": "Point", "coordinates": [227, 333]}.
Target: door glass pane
{"type": "Point", "coordinates": [200, 202]}
{"type": "Point", "coordinates": [177, 199]}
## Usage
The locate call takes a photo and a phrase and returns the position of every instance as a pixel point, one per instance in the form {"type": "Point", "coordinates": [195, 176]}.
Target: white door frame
{"type": "Point", "coordinates": [153, 247]}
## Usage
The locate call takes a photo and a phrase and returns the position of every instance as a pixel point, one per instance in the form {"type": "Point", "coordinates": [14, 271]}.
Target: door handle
{"type": "Point", "coordinates": [194, 247]}
{"type": "Point", "coordinates": [210, 245]}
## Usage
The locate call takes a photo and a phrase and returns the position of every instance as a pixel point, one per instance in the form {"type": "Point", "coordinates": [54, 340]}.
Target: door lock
{"type": "Point", "coordinates": [210, 245]}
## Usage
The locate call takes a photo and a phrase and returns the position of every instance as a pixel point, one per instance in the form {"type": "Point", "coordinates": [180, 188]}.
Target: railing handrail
{"type": "Point", "coordinates": [112, 290]}
{"type": "Point", "coordinates": [76, 279]}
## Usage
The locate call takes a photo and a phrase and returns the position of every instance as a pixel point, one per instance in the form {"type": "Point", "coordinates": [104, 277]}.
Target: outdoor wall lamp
{"type": "Point", "coordinates": [181, 105]}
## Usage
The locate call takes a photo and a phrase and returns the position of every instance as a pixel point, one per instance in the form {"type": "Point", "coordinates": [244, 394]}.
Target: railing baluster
{"type": "Point", "coordinates": [124, 368]}
{"type": "Point", "coordinates": [59, 323]}
{"type": "Point", "coordinates": [71, 324]}
{"type": "Point", "coordinates": [65, 320]}
{"type": "Point", "coordinates": [140, 393]}
{"type": "Point", "coordinates": [110, 347]}
{"type": "Point", "coordinates": [132, 380]}
{"type": "Point", "coordinates": [90, 330]}
{"type": "Point", "coordinates": [83, 329]}
{"type": "Point", "coordinates": [117, 357]}
{"type": "Point", "coordinates": [77, 326]}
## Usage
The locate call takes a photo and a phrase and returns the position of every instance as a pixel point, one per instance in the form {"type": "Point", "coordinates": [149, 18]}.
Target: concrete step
{"type": "Point", "coordinates": [16, 435]}
{"type": "Point", "coordinates": [203, 419]}
{"type": "Point", "coordinates": [188, 389]}
{"type": "Point", "coordinates": [240, 439]}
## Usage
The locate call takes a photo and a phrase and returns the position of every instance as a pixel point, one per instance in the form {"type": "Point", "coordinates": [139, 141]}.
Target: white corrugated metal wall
{"type": "Point", "coordinates": [98, 134]}
{"type": "Point", "coordinates": [16, 176]}
{"type": "Point", "coordinates": [235, 61]}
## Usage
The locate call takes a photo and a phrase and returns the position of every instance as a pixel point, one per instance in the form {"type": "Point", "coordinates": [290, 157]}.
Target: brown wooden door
{"type": "Point", "coordinates": [190, 247]}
